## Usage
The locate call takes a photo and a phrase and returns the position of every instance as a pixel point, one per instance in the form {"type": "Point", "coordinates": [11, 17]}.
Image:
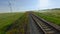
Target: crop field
{"type": "Point", "coordinates": [6, 19]}
{"type": "Point", "coordinates": [50, 15]}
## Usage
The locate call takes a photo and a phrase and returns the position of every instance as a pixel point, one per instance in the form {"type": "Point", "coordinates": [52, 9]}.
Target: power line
{"type": "Point", "coordinates": [10, 5]}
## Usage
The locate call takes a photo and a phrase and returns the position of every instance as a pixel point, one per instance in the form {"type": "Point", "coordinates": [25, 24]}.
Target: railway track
{"type": "Point", "coordinates": [33, 27]}
{"type": "Point", "coordinates": [44, 27]}
{"type": "Point", "coordinates": [36, 26]}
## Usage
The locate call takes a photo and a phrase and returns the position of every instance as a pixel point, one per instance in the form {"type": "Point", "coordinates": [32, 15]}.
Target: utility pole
{"type": "Point", "coordinates": [10, 6]}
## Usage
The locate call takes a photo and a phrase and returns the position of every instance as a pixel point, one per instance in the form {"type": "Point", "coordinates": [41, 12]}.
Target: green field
{"type": "Point", "coordinates": [50, 15]}
{"type": "Point", "coordinates": [21, 26]}
{"type": "Point", "coordinates": [7, 19]}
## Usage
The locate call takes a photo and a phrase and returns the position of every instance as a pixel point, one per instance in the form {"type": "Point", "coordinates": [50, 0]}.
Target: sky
{"type": "Point", "coordinates": [24, 5]}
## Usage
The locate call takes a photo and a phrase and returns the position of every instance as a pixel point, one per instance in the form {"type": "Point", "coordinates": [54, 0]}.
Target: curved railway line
{"type": "Point", "coordinates": [42, 26]}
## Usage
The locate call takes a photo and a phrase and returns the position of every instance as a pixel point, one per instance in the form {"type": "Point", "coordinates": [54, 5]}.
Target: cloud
{"type": "Point", "coordinates": [43, 3]}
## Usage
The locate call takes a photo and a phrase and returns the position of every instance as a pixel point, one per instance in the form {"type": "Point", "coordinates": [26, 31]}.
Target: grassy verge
{"type": "Point", "coordinates": [20, 27]}
{"type": "Point", "coordinates": [53, 17]}
{"type": "Point", "coordinates": [7, 19]}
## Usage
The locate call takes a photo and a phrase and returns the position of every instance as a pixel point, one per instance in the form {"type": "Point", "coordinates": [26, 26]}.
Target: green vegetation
{"type": "Point", "coordinates": [50, 15]}
{"type": "Point", "coordinates": [21, 26]}
{"type": "Point", "coordinates": [7, 19]}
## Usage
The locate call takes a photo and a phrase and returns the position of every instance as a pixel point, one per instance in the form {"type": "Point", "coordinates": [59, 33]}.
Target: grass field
{"type": "Point", "coordinates": [50, 15]}
{"type": "Point", "coordinates": [7, 19]}
{"type": "Point", "coordinates": [20, 27]}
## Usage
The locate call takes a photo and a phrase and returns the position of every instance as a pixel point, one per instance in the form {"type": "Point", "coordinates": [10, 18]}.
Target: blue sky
{"type": "Point", "coordinates": [23, 5]}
